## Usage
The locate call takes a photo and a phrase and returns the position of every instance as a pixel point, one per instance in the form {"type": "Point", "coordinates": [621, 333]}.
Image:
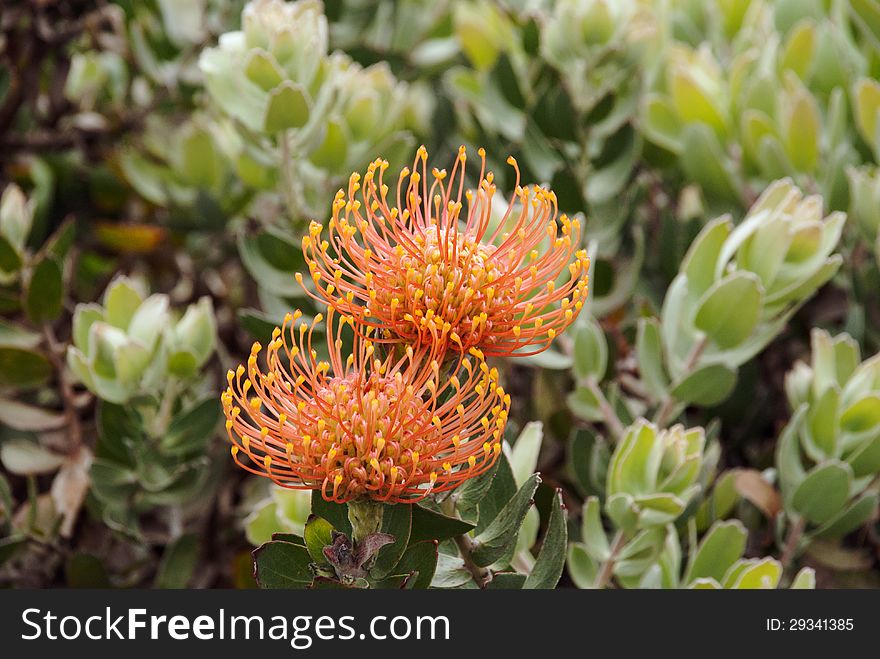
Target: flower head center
{"type": "Point", "coordinates": [359, 428]}
{"type": "Point", "coordinates": [448, 284]}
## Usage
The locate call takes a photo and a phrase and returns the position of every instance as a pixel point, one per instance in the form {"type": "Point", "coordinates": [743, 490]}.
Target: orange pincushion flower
{"type": "Point", "coordinates": [393, 428]}
{"type": "Point", "coordinates": [420, 272]}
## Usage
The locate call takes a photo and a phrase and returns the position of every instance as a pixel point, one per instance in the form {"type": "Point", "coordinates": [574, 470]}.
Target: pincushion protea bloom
{"type": "Point", "coordinates": [421, 272]}
{"type": "Point", "coordinates": [393, 428]}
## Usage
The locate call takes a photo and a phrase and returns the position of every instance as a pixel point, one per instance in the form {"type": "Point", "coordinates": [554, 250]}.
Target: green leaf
{"type": "Point", "coordinates": [585, 448]}
{"type": "Point", "coordinates": [317, 535]}
{"type": "Point", "coordinates": [22, 416]}
{"type": "Point", "coordinates": [660, 124]}
{"type": "Point", "coordinates": [582, 568]}
{"type": "Point", "coordinates": [121, 300]}
{"type": "Point", "coordinates": [468, 496]}
{"type": "Point", "coordinates": [851, 518]}
{"type": "Point", "coordinates": [262, 69]}
{"type": "Point", "coordinates": [13, 336]}
{"type": "Point", "coordinates": [430, 525]}
{"type": "Point", "coordinates": [701, 260]}
{"type": "Point", "coordinates": [863, 415]}
{"type": "Point", "coordinates": [590, 351]}
{"type": "Point", "coordinates": [202, 162]}
{"type": "Point", "coordinates": [524, 458]}
{"type": "Point", "coordinates": [804, 580]}
{"type": "Point", "coordinates": [278, 281]}
{"type": "Point", "coordinates": [729, 310]}
{"type": "Point", "coordinates": [451, 573]}
{"type": "Point", "coordinates": [584, 404]}
{"type": "Point", "coordinates": [865, 459]}
{"type": "Point", "coordinates": [10, 261]}
{"type": "Point", "coordinates": [803, 132]}
{"type": "Point", "coordinates": [335, 513]}
{"type": "Point", "coordinates": [500, 492]}
{"type": "Point", "coordinates": [822, 427]}
{"type": "Point", "coordinates": [720, 548]}
{"type": "Point", "coordinates": [262, 523]}
{"type": "Point", "coordinates": [788, 460]}
{"type": "Point", "coordinates": [282, 565]}
{"type": "Point", "coordinates": [756, 574]}
{"type": "Point", "coordinates": [692, 104]}
{"type": "Point", "coordinates": [593, 535]}
{"type": "Point", "coordinates": [118, 428]}
{"type": "Point", "coordinates": [649, 351]}
{"type": "Point", "coordinates": [112, 483]}
{"type": "Point", "coordinates": [635, 461]}
{"type": "Point", "coordinates": [21, 368]}
{"type": "Point", "coordinates": [707, 386]}
{"type": "Point", "coordinates": [824, 492]}
{"type": "Point", "coordinates": [288, 107]}
{"type": "Point", "coordinates": [24, 457]}
{"type": "Point", "coordinates": [867, 101]}
{"type": "Point", "coordinates": [720, 502]}
{"type": "Point", "coordinates": [507, 581]}
{"type": "Point", "coordinates": [396, 522]}
{"type": "Point", "coordinates": [179, 562]}
{"type": "Point", "coordinates": [551, 559]}
{"type": "Point", "coordinates": [705, 162]}
{"type": "Point", "coordinates": [420, 558]}
{"type": "Point", "coordinates": [191, 430]}
{"type": "Point", "coordinates": [606, 182]}
{"type": "Point", "coordinates": [500, 535]}
{"type": "Point", "coordinates": [334, 149]}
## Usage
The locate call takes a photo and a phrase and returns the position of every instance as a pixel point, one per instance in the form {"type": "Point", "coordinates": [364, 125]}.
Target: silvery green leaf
{"type": "Point", "coordinates": [524, 455]}
{"type": "Point", "coordinates": [593, 536]}
{"type": "Point", "coordinates": [649, 351]}
{"type": "Point", "coordinates": [823, 492]}
{"type": "Point", "coordinates": [722, 545]}
{"type": "Point", "coordinates": [27, 458]}
{"type": "Point", "coordinates": [754, 574]}
{"type": "Point", "coordinates": [590, 351]}
{"type": "Point", "coordinates": [706, 386]}
{"type": "Point", "coordinates": [729, 310]}
{"type": "Point", "coordinates": [581, 567]}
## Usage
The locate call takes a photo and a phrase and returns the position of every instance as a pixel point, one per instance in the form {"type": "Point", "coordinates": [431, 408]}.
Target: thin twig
{"type": "Point", "coordinates": [466, 547]}
{"type": "Point", "coordinates": [615, 425]}
{"type": "Point", "coordinates": [792, 541]}
{"type": "Point", "coordinates": [665, 412]}
{"type": "Point", "coordinates": [482, 576]}
{"type": "Point", "coordinates": [607, 570]}
{"type": "Point", "coordinates": [68, 396]}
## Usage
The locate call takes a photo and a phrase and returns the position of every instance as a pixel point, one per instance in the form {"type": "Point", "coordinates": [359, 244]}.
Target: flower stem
{"type": "Point", "coordinates": [365, 516]}
{"type": "Point", "coordinates": [482, 576]}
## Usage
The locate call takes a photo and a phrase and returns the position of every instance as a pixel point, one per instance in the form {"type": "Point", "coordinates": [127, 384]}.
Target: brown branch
{"type": "Point", "coordinates": [607, 570]}
{"type": "Point", "coordinates": [795, 533]}
{"type": "Point", "coordinates": [68, 396]}
{"type": "Point", "coordinates": [481, 575]}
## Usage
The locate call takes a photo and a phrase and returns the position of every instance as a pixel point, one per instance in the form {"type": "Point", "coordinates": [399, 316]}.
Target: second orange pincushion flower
{"type": "Point", "coordinates": [421, 272]}
{"type": "Point", "coordinates": [392, 429]}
